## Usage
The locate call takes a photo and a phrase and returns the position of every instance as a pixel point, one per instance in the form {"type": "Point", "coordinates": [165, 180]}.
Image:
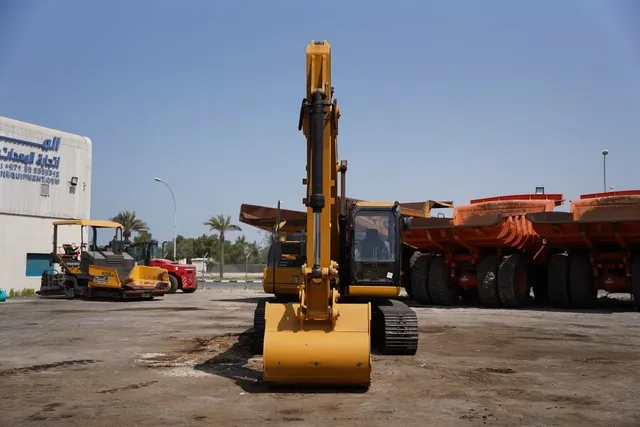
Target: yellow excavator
{"type": "Point", "coordinates": [352, 266]}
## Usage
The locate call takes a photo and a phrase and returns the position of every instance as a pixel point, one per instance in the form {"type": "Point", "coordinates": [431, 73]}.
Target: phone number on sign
{"type": "Point", "coordinates": [30, 170]}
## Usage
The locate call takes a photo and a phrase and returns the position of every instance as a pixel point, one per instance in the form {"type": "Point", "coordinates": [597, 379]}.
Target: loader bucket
{"type": "Point", "coordinates": [143, 277]}
{"type": "Point", "coordinates": [315, 353]}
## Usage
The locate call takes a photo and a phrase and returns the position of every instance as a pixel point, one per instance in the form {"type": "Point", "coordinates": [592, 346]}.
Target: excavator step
{"type": "Point", "coordinates": [395, 328]}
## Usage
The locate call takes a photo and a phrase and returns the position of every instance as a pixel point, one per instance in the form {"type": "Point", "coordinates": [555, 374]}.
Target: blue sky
{"type": "Point", "coordinates": [440, 100]}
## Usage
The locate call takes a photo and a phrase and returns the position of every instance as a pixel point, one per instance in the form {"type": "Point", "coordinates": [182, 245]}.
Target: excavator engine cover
{"type": "Point", "coordinates": [315, 353]}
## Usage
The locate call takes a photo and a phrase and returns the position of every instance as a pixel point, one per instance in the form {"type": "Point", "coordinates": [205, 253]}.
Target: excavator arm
{"type": "Point", "coordinates": [319, 116]}
{"type": "Point", "coordinates": [319, 341]}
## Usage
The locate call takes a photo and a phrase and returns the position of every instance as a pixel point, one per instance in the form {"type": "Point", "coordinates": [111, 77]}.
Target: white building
{"type": "Point", "coordinates": [45, 174]}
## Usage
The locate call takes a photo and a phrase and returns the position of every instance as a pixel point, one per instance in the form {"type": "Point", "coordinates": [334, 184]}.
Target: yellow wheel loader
{"type": "Point", "coordinates": [93, 271]}
{"type": "Point", "coordinates": [351, 266]}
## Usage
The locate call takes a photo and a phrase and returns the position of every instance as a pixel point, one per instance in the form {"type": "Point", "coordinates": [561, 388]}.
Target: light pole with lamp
{"type": "Point", "coordinates": [174, 216]}
{"type": "Point", "coordinates": [604, 168]}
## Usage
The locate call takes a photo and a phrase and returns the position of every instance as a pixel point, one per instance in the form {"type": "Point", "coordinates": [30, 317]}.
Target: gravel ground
{"type": "Point", "coordinates": [183, 360]}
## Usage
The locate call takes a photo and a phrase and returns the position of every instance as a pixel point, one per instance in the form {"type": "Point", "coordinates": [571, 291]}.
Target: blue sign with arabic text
{"type": "Point", "coordinates": [20, 162]}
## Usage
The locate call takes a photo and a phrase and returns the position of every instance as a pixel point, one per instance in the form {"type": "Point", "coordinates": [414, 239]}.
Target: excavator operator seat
{"type": "Point", "coordinates": [372, 246]}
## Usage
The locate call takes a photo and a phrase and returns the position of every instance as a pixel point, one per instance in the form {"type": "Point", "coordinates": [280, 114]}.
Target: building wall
{"type": "Point", "coordinates": [37, 167]}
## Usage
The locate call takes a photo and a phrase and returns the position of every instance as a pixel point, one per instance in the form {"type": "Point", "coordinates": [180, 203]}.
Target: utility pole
{"type": "Point", "coordinates": [604, 168]}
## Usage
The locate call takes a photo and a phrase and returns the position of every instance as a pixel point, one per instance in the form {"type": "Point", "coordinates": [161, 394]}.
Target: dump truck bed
{"type": "Point", "coordinates": [496, 222]}
{"type": "Point", "coordinates": [292, 221]}
{"type": "Point", "coordinates": [595, 219]}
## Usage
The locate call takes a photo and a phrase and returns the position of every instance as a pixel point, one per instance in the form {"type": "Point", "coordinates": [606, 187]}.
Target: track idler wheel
{"type": "Point", "coordinates": [514, 280]}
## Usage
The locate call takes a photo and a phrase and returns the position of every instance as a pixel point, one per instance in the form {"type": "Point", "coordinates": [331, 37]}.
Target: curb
{"type": "Point", "coordinates": [230, 281]}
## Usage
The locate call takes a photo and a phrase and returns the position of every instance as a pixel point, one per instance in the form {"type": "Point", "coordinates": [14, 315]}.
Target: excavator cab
{"type": "Point", "coordinates": [372, 242]}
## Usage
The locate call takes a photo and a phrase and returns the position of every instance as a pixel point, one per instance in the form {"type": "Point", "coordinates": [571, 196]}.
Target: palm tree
{"type": "Point", "coordinates": [130, 223]}
{"type": "Point", "coordinates": [222, 225]}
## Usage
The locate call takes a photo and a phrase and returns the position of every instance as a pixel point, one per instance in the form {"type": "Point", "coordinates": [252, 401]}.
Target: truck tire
{"type": "Point", "coordinates": [514, 280]}
{"type": "Point", "coordinates": [488, 281]}
{"type": "Point", "coordinates": [441, 288]}
{"type": "Point", "coordinates": [583, 293]}
{"type": "Point", "coordinates": [558, 281]}
{"type": "Point", "coordinates": [407, 265]}
{"type": "Point", "coordinates": [420, 279]}
{"type": "Point", "coordinates": [541, 284]}
{"type": "Point", "coordinates": [635, 279]}
{"type": "Point", "coordinates": [173, 284]}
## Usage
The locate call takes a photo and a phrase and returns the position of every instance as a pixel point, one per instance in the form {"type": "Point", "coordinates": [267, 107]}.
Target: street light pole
{"type": "Point", "coordinates": [604, 168]}
{"type": "Point", "coordinates": [174, 216]}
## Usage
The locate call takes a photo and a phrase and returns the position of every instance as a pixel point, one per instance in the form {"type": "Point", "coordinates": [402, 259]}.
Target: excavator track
{"type": "Point", "coordinates": [395, 328]}
{"type": "Point", "coordinates": [258, 326]}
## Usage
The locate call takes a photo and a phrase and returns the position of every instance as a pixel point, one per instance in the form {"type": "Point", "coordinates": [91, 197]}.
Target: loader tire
{"type": "Point", "coordinates": [558, 281]}
{"type": "Point", "coordinates": [488, 281]}
{"type": "Point", "coordinates": [514, 280]}
{"type": "Point", "coordinates": [635, 279]}
{"type": "Point", "coordinates": [420, 279]}
{"type": "Point", "coordinates": [583, 293]}
{"type": "Point", "coordinates": [441, 288]}
{"type": "Point", "coordinates": [173, 284]}
{"type": "Point", "coordinates": [258, 327]}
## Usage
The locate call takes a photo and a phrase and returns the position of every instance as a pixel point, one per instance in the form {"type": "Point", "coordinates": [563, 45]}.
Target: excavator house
{"type": "Point", "coordinates": [352, 261]}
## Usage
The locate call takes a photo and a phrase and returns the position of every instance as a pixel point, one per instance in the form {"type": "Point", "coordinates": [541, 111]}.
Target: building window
{"type": "Point", "coordinates": [44, 190]}
{"type": "Point", "coordinates": [37, 264]}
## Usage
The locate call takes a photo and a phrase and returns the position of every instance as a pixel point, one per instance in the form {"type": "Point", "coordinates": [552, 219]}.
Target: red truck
{"type": "Point", "coordinates": [181, 276]}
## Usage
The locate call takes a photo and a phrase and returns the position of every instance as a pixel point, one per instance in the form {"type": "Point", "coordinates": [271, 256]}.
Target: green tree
{"type": "Point", "coordinates": [143, 236]}
{"type": "Point", "coordinates": [222, 225]}
{"type": "Point", "coordinates": [130, 223]}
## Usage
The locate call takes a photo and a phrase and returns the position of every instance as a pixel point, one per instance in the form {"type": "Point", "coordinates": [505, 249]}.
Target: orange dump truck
{"type": "Point", "coordinates": [488, 250]}
{"type": "Point", "coordinates": [595, 246]}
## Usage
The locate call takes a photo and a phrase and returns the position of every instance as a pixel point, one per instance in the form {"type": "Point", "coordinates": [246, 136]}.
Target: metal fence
{"type": "Point", "coordinates": [229, 270]}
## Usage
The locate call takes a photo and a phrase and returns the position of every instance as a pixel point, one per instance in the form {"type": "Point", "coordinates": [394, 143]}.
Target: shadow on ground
{"type": "Point", "coordinates": [605, 305]}
{"type": "Point", "coordinates": [239, 364]}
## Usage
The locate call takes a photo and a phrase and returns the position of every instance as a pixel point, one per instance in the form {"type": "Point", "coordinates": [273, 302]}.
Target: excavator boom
{"type": "Point", "coordinates": [317, 340]}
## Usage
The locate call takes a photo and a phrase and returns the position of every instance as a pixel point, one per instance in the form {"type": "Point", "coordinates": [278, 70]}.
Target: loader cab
{"type": "Point", "coordinates": [143, 252]}
{"type": "Point", "coordinates": [373, 246]}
